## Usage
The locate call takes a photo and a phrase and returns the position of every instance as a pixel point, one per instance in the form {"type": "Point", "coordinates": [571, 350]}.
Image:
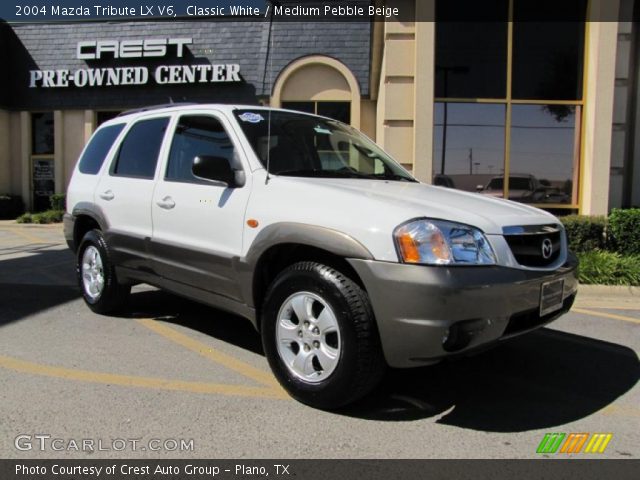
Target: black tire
{"type": "Point", "coordinates": [360, 365]}
{"type": "Point", "coordinates": [114, 295]}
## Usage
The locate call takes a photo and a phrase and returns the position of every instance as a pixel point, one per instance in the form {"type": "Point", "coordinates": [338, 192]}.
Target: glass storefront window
{"type": "Point", "coordinates": [544, 147]}
{"type": "Point", "coordinates": [306, 107]}
{"type": "Point", "coordinates": [547, 56]}
{"type": "Point", "coordinates": [471, 57]}
{"type": "Point", "coordinates": [473, 139]}
{"type": "Point", "coordinates": [509, 98]}
{"type": "Point", "coordinates": [547, 60]}
{"type": "Point", "coordinates": [42, 137]}
{"type": "Point", "coordinates": [340, 111]}
{"type": "Point", "coordinates": [105, 115]}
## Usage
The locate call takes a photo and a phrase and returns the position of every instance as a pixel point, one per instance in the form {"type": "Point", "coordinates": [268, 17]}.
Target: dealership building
{"type": "Point", "coordinates": [542, 112]}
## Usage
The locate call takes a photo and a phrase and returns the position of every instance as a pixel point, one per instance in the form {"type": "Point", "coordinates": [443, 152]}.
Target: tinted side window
{"type": "Point", "coordinates": [138, 153]}
{"type": "Point", "coordinates": [196, 135]}
{"type": "Point", "coordinates": [99, 145]}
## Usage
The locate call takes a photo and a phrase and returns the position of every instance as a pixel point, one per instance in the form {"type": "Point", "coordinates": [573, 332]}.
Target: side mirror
{"type": "Point", "coordinates": [217, 169]}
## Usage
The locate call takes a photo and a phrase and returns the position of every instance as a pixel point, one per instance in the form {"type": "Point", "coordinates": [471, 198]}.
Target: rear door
{"type": "Point", "coordinates": [198, 225]}
{"type": "Point", "coordinates": [125, 191]}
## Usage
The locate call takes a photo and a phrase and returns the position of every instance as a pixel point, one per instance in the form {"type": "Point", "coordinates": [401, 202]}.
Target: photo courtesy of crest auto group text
{"type": "Point", "coordinates": [253, 238]}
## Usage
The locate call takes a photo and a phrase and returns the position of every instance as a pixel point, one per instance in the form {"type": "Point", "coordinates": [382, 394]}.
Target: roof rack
{"type": "Point", "coordinates": [155, 107]}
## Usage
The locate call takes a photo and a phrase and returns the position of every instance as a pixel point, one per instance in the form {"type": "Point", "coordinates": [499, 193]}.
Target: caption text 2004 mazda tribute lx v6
{"type": "Point", "coordinates": [339, 257]}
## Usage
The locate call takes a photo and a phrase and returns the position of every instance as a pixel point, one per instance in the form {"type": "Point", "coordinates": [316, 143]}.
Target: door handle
{"type": "Point", "coordinates": [167, 203]}
{"type": "Point", "coordinates": [107, 195]}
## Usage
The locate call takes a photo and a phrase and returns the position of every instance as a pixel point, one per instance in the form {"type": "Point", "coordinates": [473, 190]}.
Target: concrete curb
{"type": "Point", "coordinates": [14, 224]}
{"type": "Point", "coordinates": [609, 291]}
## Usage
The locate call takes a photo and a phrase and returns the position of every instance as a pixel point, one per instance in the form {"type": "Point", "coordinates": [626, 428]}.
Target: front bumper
{"type": "Point", "coordinates": [427, 313]}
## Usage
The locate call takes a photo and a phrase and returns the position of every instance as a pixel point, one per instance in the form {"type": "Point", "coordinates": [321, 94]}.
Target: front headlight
{"type": "Point", "coordinates": [437, 242]}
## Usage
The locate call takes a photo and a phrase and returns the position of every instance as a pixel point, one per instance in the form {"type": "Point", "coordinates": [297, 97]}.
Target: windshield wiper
{"type": "Point", "coordinates": [343, 173]}
{"type": "Point", "coordinates": [393, 176]}
{"type": "Point", "coordinates": [322, 173]}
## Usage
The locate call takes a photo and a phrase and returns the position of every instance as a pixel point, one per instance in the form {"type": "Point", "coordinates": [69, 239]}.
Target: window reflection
{"type": "Point", "coordinates": [306, 107]}
{"type": "Point", "coordinates": [42, 139]}
{"type": "Point", "coordinates": [196, 135]}
{"type": "Point", "coordinates": [471, 57]}
{"type": "Point", "coordinates": [544, 152]}
{"type": "Point", "coordinates": [106, 115]}
{"type": "Point", "coordinates": [473, 139]}
{"type": "Point", "coordinates": [340, 111]}
{"type": "Point", "coordinates": [547, 56]}
{"type": "Point", "coordinates": [546, 60]}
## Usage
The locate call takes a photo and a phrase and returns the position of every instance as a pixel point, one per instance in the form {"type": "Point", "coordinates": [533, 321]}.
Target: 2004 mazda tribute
{"type": "Point", "coordinates": [337, 255]}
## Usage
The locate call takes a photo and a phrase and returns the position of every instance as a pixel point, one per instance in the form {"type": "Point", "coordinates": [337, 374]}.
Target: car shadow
{"type": "Point", "coordinates": [169, 308]}
{"type": "Point", "coordinates": [36, 281]}
{"type": "Point", "coordinates": [539, 380]}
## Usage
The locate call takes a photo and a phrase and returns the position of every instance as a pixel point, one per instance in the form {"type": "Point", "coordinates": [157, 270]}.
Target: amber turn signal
{"type": "Point", "coordinates": [252, 222]}
{"type": "Point", "coordinates": [408, 248]}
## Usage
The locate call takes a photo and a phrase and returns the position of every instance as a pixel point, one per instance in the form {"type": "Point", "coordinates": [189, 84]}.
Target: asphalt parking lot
{"type": "Point", "coordinates": [172, 370]}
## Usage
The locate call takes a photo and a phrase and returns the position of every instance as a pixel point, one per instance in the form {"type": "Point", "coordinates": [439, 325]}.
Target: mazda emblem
{"type": "Point", "coordinates": [547, 248]}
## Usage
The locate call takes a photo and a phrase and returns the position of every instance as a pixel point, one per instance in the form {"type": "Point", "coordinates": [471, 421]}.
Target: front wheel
{"type": "Point", "coordinates": [320, 337]}
{"type": "Point", "coordinates": [97, 276]}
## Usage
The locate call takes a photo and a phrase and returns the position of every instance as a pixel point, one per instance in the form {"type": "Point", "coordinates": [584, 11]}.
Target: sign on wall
{"type": "Point", "coordinates": [43, 183]}
{"type": "Point", "coordinates": [96, 50]}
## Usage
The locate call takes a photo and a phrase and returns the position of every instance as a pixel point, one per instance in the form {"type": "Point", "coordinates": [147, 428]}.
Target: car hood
{"type": "Point", "coordinates": [406, 200]}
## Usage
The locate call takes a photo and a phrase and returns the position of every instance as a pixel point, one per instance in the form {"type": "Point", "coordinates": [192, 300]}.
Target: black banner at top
{"type": "Point", "coordinates": [30, 11]}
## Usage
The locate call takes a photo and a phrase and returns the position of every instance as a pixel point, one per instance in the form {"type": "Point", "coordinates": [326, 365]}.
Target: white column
{"type": "Point", "coordinates": [424, 92]}
{"type": "Point", "coordinates": [89, 124]}
{"type": "Point", "coordinates": [599, 86]}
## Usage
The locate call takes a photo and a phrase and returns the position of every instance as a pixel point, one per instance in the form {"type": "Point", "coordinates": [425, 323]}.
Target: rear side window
{"type": "Point", "coordinates": [196, 135]}
{"type": "Point", "coordinates": [138, 153]}
{"type": "Point", "coordinates": [99, 145]}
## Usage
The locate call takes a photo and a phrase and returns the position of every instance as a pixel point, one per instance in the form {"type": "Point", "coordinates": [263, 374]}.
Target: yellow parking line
{"type": "Point", "coordinates": [134, 381]}
{"type": "Point", "coordinates": [206, 351]}
{"type": "Point", "coordinates": [606, 315]}
{"type": "Point", "coordinates": [621, 410]}
{"type": "Point", "coordinates": [601, 307]}
{"type": "Point", "coordinates": [25, 235]}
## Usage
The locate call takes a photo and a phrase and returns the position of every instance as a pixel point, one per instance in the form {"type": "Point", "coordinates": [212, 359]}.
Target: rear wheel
{"type": "Point", "coordinates": [320, 336]}
{"type": "Point", "coordinates": [97, 276]}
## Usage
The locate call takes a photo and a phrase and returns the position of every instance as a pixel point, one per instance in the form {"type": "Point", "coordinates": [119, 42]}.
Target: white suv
{"type": "Point", "coordinates": [337, 255]}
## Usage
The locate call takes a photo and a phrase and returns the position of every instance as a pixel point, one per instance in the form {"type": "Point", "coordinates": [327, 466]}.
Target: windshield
{"type": "Point", "coordinates": [307, 146]}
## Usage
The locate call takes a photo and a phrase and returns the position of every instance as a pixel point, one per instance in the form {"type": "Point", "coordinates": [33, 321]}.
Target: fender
{"type": "Point", "coordinates": [83, 208]}
{"type": "Point", "coordinates": [91, 210]}
{"type": "Point", "coordinates": [333, 241]}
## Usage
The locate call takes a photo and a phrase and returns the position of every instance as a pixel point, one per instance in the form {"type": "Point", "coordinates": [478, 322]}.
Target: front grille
{"type": "Point", "coordinates": [529, 245]}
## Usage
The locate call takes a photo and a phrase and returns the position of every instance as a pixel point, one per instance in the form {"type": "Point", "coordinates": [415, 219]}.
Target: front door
{"type": "Point", "coordinates": [198, 224]}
